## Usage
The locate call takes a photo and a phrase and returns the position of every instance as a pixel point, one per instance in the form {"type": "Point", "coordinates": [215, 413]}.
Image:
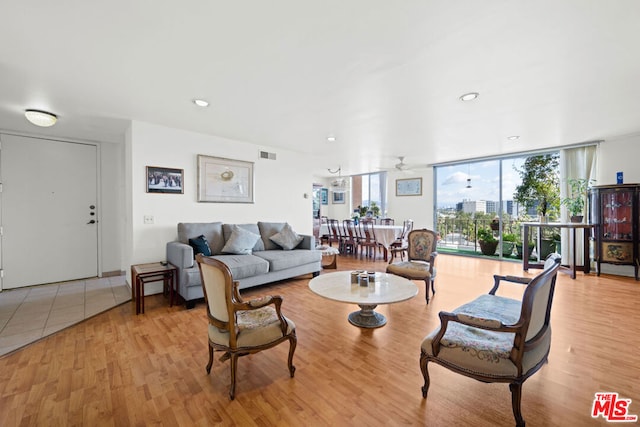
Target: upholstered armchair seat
{"type": "Point", "coordinates": [255, 328]}
{"type": "Point", "coordinates": [418, 270]}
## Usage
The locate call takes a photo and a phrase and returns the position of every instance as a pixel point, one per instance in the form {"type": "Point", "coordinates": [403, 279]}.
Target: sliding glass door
{"type": "Point", "coordinates": [477, 212]}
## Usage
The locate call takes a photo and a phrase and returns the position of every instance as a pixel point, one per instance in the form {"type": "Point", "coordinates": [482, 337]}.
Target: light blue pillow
{"type": "Point", "coordinates": [287, 238]}
{"type": "Point", "coordinates": [241, 242]}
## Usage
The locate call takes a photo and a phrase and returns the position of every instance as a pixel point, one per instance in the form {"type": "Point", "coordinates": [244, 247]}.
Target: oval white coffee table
{"type": "Point", "coordinates": [386, 289]}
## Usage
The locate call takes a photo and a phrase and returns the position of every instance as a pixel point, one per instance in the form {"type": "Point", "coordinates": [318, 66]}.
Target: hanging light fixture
{"type": "Point", "coordinates": [41, 118]}
{"type": "Point", "coordinates": [340, 184]}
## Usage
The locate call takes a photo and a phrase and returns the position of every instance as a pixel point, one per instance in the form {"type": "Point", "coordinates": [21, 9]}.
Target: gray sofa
{"type": "Point", "coordinates": [266, 263]}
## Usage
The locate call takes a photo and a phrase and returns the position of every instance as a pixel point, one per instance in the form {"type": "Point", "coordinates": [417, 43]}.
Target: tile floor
{"type": "Point", "coordinates": [28, 314]}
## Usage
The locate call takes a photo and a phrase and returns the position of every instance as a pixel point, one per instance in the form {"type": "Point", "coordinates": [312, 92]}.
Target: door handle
{"type": "Point", "coordinates": [93, 221]}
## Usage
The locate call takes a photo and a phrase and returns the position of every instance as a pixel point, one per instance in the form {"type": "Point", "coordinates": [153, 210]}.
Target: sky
{"type": "Point", "coordinates": [485, 181]}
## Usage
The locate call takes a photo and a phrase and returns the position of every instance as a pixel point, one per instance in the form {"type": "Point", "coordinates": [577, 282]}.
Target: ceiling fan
{"type": "Point", "coordinates": [404, 167]}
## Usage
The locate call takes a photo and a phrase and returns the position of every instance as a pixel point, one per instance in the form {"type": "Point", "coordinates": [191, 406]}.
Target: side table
{"type": "Point", "coordinates": [329, 251]}
{"type": "Point", "coordinates": [152, 272]}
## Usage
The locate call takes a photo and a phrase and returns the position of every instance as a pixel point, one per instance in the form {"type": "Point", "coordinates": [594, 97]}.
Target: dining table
{"type": "Point", "coordinates": [385, 235]}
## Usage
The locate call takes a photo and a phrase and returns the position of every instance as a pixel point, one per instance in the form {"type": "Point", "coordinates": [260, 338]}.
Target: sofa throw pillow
{"type": "Point", "coordinates": [287, 238]}
{"type": "Point", "coordinates": [227, 229]}
{"type": "Point", "coordinates": [240, 242]}
{"type": "Point", "coordinates": [200, 246]}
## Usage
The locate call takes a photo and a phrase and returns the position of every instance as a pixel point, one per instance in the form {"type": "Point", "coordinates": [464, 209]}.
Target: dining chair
{"type": "Point", "coordinates": [400, 245]}
{"type": "Point", "coordinates": [350, 241]}
{"type": "Point", "coordinates": [334, 233]}
{"type": "Point", "coordinates": [387, 221]}
{"type": "Point", "coordinates": [368, 240]}
{"type": "Point", "coordinates": [238, 327]}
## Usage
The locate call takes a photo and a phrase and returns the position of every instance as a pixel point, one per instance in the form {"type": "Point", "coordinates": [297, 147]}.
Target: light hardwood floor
{"type": "Point", "coordinates": [121, 369]}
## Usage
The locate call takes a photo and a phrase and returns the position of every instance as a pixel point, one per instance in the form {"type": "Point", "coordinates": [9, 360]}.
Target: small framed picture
{"type": "Point", "coordinates": [324, 196]}
{"type": "Point", "coordinates": [338, 198]}
{"type": "Point", "coordinates": [409, 187]}
{"type": "Point", "coordinates": [165, 180]}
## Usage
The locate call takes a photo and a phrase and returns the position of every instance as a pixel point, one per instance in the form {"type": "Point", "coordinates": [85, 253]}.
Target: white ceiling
{"type": "Point", "coordinates": [384, 77]}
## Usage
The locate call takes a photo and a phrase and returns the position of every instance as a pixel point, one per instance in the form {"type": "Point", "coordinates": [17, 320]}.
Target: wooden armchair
{"type": "Point", "coordinates": [421, 258]}
{"type": "Point", "coordinates": [497, 339]}
{"type": "Point", "coordinates": [238, 327]}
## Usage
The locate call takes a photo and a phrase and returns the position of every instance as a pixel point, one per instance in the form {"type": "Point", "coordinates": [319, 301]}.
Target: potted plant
{"type": "Point", "coordinates": [576, 198]}
{"type": "Point", "coordinates": [488, 243]}
{"type": "Point", "coordinates": [557, 241]}
{"type": "Point", "coordinates": [508, 243]}
{"type": "Point", "coordinates": [519, 251]}
{"type": "Point", "coordinates": [375, 209]}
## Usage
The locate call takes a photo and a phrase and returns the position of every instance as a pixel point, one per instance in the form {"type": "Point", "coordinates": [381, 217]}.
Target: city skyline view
{"type": "Point", "coordinates": [476, 181]}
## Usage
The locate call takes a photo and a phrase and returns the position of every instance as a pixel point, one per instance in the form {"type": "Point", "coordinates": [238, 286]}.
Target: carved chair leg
{"type": "Point", "coordinates": [516, 397]}
{"type": "Point", "coordinates": [234, 368]}
{"type": "Point", "coordinates": [426, 288]}
{"type": "Point", "coordinates": [210, 359]}
{"type": "Point", "coordinates": [433, 287]}
{"type": "Point", "coordinates": [293, 341]}
{"type": "Point", "coordinates": [425, 373]}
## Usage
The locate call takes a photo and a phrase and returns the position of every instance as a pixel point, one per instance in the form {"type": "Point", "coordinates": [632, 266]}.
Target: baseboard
{"type": "Point", "coordinates": [112, 273]}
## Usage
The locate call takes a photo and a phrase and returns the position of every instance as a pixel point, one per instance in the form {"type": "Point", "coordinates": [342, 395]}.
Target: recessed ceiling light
{"type": "Point", "coordinates": [513, 137]}
{"type": "Point", "coordinates": [41, 118]}
{"type": "Point", "coordinates": [469, 96]}
{"type": "Point", "coordinates": [331, 138]}
{"type": "Point", "coordinates": [201, 102]}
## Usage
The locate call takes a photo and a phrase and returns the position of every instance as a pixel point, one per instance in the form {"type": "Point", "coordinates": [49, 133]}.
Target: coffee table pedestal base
{"type": "Point", "coordinates": [367, 317]}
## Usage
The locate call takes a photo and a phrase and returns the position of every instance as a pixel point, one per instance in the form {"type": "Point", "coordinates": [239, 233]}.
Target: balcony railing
{"type": "Point", "coordinates": [461, 236]}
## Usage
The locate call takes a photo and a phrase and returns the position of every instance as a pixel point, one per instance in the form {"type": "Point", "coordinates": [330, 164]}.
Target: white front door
{"type": "Point", "coordinates": [48, 211]}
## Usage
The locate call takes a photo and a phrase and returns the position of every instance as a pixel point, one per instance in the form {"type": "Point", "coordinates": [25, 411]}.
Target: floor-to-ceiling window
{"type": "Point", "coordinates": [368, 193]}
{"type": "Point", "coordinates": [477, 211]}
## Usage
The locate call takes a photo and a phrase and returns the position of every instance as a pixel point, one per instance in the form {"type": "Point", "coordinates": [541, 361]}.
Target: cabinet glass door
{"type": "Point", "coordinates": [617, 226]}
{"type": "Point", "coordinates": [617, 215]}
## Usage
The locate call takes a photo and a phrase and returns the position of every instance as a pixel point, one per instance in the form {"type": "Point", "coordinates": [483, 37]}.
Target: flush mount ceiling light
{"type": "Point", "coordinates": [201, 102]}
{"type": "Point", "coordinates": [41, 118]}
{"type": "Point", "coordinates": [469, 96]}
{"type": "Point", "coordinates": [513, 137]}
{"type": "Point", "coordinates": [331, 138]}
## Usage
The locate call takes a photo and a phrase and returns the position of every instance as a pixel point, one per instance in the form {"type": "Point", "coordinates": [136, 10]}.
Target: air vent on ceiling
{"type": "Point", "coordinates": [265, 155]}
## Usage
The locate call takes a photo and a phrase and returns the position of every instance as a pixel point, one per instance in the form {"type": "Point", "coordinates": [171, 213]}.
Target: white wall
{"type": "Point", "coordinates": [417, 208]}
{"type": "Point", "coordinates": [619, 155]}
{"type": "Point", "coordinates": [279, 188]}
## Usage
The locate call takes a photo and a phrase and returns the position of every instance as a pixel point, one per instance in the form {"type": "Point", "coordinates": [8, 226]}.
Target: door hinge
{"type": "Point", "coordinates": [1, 273]}
{"type": "Point", "coordinates": [1, 230]}
{"type": "Point", "coordinates": [0, 187]}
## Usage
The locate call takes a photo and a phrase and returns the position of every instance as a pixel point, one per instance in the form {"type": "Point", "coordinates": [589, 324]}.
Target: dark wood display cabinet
{"type": "Point", "coordinates": [614, 208]}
